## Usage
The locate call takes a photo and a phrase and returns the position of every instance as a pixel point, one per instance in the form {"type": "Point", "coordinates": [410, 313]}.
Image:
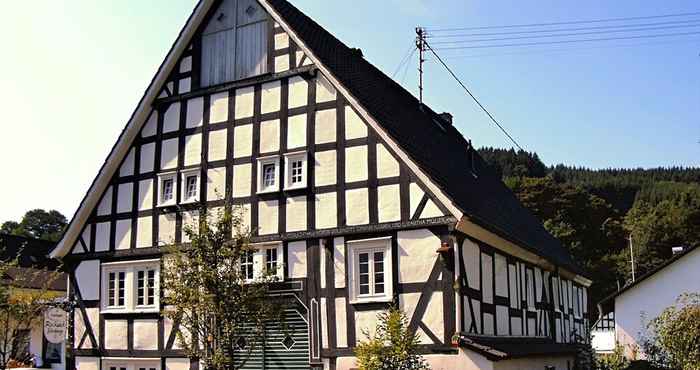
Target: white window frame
{"type": "Point", "coordinates": [133, 363]}
{"type": "Point", "coordinates": [161, 179]}
{"type": "Point", "coordinates": [293, 157]}
{"type": "Point", "coordinates": [260, 259]}
{"type": "Point", "coordinates": [355, 247]}
{"type": "Point", "coordinates": [275, 160]}
{"type": "Point", "coordinates": [184, 174]}
{"type": "Point", "coordinates": [130, 268]}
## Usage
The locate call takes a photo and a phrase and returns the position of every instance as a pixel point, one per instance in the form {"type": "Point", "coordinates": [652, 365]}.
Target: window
{"type": "Point", "coordinates": [131, 286]}
{"type": "Point", "coordinates": [263, 259]}
{"type": "Point", "coordinates": [166, 189]}
{"type": "Point", "coordinates": [370, 270]}
{"type": "Point", "coordinates": [116, 289]}
{"type": "Point", "coordinates": [247, 265]}
{"type": "Point", "coordinates": [295, 163]}
{"type": "Point", "coordinates": [190, 186]}
{"type": "Point", "coordinates": [268, 174]}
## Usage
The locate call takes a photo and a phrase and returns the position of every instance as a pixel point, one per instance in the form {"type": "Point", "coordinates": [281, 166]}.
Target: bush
{"type": "Point", "coordinates": [675, 335]}
{"type": "Point", "coordinates": [393, 347]}
{"type": "Point", "coordinates": [613, 361]}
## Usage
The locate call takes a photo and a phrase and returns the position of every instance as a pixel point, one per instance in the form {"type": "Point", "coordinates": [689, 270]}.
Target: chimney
{"type": "Point", "coordinates": [446, 117]}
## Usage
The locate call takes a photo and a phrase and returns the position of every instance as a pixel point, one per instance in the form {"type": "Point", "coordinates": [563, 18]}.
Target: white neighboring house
{"type": "Point", "coordinates": [640, 302]}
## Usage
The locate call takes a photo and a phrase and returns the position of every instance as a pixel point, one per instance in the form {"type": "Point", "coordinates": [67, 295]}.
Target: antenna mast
{"type": "Point", "coordinates": [420, 44]}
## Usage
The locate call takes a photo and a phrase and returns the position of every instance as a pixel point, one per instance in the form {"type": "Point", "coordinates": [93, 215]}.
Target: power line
{"type": "Point", "coordinates": [472, 96]}
{"type": "Point", "coordinates": [567, 22]}
{"type": "Point", "coordinates": [570, 34]}
{"type": "Point", "coordinates": [571, 41]}
{"type": "Point", "coordinates": [561, 29]}
{"type": "Point", "coordinates": [405, 58]}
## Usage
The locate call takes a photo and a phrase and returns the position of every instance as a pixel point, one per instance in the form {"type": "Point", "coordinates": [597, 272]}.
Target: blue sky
{"type": "Point", "coordinates": [74, 71]}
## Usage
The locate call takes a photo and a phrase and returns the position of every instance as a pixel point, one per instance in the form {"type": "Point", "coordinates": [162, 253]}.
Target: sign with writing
{"type": "Point", "coordinates": [55, 325]}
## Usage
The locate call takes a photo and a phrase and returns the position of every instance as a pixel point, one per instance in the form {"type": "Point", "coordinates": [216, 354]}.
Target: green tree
{"type": "Point", "coordinates": [207, 292]}
{"type": "Point", "coordinates": [674, 339]}
{"type": "Point", "coordinates": [39, 224]}
{"type": "Point", "coordinates": [393, 347]}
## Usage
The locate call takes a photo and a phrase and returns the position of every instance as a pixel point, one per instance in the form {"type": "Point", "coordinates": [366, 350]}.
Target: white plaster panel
{"type": "Point", "coordinates": [516, 324]}
{"type": "Point", "coordinates": [433, 316]}
{"type": "Point", "coordinates": [244, 102]}
{"type": "Point", "coordinates": [171, 119]}
{"type": "Point", "coordinates": [366, 324]}
{"type": "Point", "coordinates": [144, 232]}
{"type": "Point", "coordinates": [389, 203]}
{"type": "Point", "coordinates": [408, 303]}
{"type": "Point", "coordinates": [487, 278]}
{"type": "Point", "coordinates": [357, 206]}
{"type": "Point", "coordinates": [146, 334]}
{"type": "Point", "coordinates": [471, 262]}
{"type": "Point", "coordinates": [105, 206]}
{"type": "Point", "coordinates": [87, 363]}
{"type": "Point", "coordinates": [216, 183]}
{"type": "Point", "coordinates": [102, 236]}
{"type": "Point", "coordinates": [270, 136]}
{"type": "Point", "coordinates": [242, 182]}
{"type": "Point", "coordinates": [502, 320]}
{"type": "Point", "coordinates": [354, 126]}
{"type": "Point", "coordinates": [145, 198]}
{"type": "Point", "coordinates": [193, 149]}
{"type": "Point", "coordinates": [416, 254]}
{"type": "Point", "coordinates": [177, 363]}
{"type": "Point", "coordinates": [271, 97]}
{"type": "Point", "coordinates": [341, 322]}
{"type": "Point", "coordinates": [325, 168]}
{"type": "Point", "coordinates": [218, 110]}
{"type": "Point", "coordinates": [296, 213]}
{"type": "Point", "coordinates": [115, 334]}
{"type": "Point", "coordinates": [184, 86]}
{"type": "Point", "coordinates": [296, 258]}
{"type": "Point", "coordinates": [488, 324]}
{"type": "Point", "coordinates": [125, 197]}
{"type": "Point", "coordinates": [430, 210]}
{"type": "Point", "coordinates": [190, 221]}
{"type": "Point", "coordinates": [339, 262]}
{"type": "Point", "coordinates": [387, 165]}
{"type": "Point", "coordinates": [168, 156]}
{"type": "Point", "coordinates": [324, 322]}
{"type": "Point", "coordinates": [147, 159]}
{"type": "Point", "coordinates": [513, 281]}
{"type": "Point", "coordinates": [325, 126]}
{"type": "Point", "coordinates": [356, 163]}
{"type": "Point", "coordinates": [324, 90]}
{"type": "Point", "coordinates": [86, 277]}
{"type": "Point", "coordinates": [281, 41]}
{"type": "Point", "coordinates": [326, 210]}
{"type": "Point", "coordinates": [268, 217]}
{"type": "Point", "coordinates": [242, 141]}
{"type": "Point", "coordinates": [501, 275]}
{"type": "Point", "coordinates": [186, 64]}
{"type": "Point", "coordinates": [151, 126]}
{"type": "Point", "coordinates": [127, 168]}
{"type": "Point", "coordinates": [122, 234]}
{"type": "Point", "coordinates": [217, 145]}
{"type": "Point", "coordinates": [166, 229]}
{"type": "Point", "coordinates": [281, 63]}
{"type": "Point", "coordinates": [298, 92]}
{"type": "Point", "coordinates": [415, 196]}
{"type": "Point", "coordinates": [244, 212]}
{"type": "Point", "coordinates": [86, 237]}
{"type": "Point", "coordinates": [296, 131]}
{"type": "Point", "coordinates": [195, 112]}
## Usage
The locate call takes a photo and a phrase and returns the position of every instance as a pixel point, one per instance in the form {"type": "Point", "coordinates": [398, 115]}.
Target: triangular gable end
{"type": "Point", "coordinates": [93, 229]}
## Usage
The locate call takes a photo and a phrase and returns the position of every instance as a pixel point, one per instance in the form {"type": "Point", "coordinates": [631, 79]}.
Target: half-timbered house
{"type": "Point", "coordinates": [365, 196]}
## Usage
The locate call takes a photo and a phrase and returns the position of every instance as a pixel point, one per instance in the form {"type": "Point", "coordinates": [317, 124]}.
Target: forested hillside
{"type": "Point", "coordinates": [595, 212]}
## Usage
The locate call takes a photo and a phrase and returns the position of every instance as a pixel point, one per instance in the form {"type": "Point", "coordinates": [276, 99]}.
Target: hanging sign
{"type": "Point", "coordinates": [55, 325]}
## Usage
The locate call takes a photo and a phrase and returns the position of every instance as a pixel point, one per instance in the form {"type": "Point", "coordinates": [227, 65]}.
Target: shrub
{"type": "Point", "coordinates": [675, 335]}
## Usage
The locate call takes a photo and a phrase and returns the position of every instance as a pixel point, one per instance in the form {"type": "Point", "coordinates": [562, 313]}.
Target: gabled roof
{"type": "Point", "coordinates": [505, 348]}
{"type": "Point", "coordinates": [440, 151]}
{"type": "Point", "coordinates": [443, 154]}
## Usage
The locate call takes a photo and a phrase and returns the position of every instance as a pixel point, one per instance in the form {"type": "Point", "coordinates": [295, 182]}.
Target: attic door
{"type": "Point", "coordinates": [234, 42]}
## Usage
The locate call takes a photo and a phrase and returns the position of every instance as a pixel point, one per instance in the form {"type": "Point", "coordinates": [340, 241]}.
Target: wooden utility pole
{"type": "Point", "coordinates": [632, 257]}
{"type": "Point", "coordinates": [420, 44]}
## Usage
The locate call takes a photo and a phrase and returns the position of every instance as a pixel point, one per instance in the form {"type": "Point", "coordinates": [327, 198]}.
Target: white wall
{"type": "Point", "coordinates": [653, 295]}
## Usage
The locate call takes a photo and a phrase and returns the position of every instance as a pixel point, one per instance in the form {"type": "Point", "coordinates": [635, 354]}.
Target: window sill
{"type": "Point", "coordinates": [268, 191]}
{"type": "Point", "coordinates": [363, 300]}
{"type": "Point", "coordinates": [129, 310]}
{"type": "Point", "coordinates": [297, 187]}
{"type": "Point", "coordinates": [189, 201]}
{"type": "Point", "coordinates": [166, 204]}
